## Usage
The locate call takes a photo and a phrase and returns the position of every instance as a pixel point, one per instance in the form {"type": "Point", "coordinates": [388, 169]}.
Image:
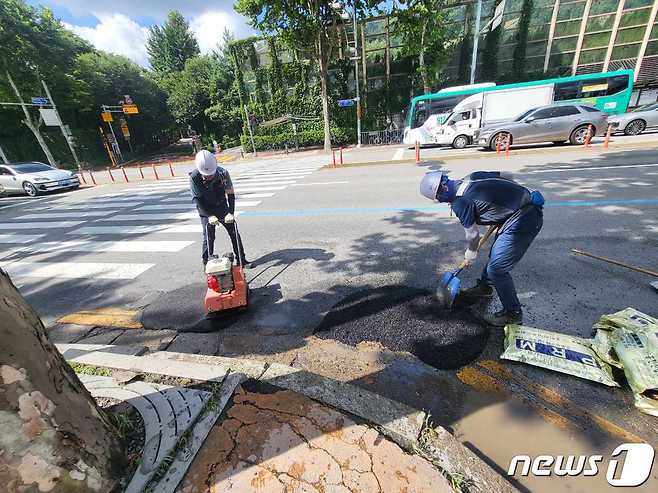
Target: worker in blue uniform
{"type": "Point", "coordinates": [488, 198]}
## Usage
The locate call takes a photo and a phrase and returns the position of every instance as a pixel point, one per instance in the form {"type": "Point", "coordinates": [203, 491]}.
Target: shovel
{"type": "Point", "coordinates": [448, 288]}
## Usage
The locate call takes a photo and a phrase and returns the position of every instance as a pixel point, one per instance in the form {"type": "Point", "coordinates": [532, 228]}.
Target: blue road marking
{"type": "Point", "coordinates": [430, 209]}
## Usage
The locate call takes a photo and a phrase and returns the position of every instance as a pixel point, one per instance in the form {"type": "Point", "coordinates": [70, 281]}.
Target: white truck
{"type": "Point", "coordinates": [486, 108]}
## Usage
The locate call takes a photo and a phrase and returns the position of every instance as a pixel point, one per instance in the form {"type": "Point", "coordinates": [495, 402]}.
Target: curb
{"type": "Point", "coordinates": [401, 423]}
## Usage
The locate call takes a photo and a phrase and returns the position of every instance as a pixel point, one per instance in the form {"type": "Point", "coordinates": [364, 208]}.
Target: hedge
{"type": "Point", "coordinates": [307, 138]}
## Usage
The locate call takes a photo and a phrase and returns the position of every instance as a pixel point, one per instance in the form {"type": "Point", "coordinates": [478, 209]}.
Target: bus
{"type": "Point", "coordinates": [607, 91]}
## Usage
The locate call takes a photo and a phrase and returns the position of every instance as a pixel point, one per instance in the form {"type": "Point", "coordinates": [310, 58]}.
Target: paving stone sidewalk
{"type": "Point", "coordinates": [283, 442]}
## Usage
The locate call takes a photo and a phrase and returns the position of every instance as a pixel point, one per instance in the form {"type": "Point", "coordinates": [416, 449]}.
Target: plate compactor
{"type": "Point", "coordinates": [227, 284]}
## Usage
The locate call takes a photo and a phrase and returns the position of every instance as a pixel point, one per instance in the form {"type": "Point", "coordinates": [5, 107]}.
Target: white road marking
{"type": "Point", "coordinates": [254, 183]}
{"type": "Point", "coordinates": [85, 205]}
{"type": "Point", "coordinates": [11, 238]}
{"type": "Point", "coordinates": [247, 195]}
{"type": "Point", "coordinates": [158, 207]}
{"type": "Point", "coordinates": [66, 215]}
{"type": "Point", "coordinates": [319, 183]}
{"type": "Point", "coordinates": [125, 246]}
{"type": "Point", "coordinates": [74, 270]}
{"type": "Point", "coordinates": [259, 189]}
{"type": "Point", "coordinates": [557, 170]}
{"type": "Point", "coordinates": [153, 217]}
{"type": "Point", "coordinates": [399, 154]}
{"type": "Point", "coordinates": [272, 175]}
{"type": "Point", "coordinates": [40, 225]}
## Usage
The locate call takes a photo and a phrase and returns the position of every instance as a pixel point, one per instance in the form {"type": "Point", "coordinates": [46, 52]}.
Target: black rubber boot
{"type": "Point", "coordinates": [503, 318]}
{"type": "Point", "coordinates": [480, 290]}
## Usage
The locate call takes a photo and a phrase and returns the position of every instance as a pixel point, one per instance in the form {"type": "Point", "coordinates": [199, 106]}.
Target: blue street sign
{"type": "Point", "coordinates": [40, 101]}
{"type": "Point", "coordinates": [344, 103]}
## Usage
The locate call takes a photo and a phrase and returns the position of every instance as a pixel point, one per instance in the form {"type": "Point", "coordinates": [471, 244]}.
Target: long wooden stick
{"type": "Point", "coordinates": [616, 262]}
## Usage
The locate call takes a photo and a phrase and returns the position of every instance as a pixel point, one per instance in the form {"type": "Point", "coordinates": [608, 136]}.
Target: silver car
{"type": "Point", "coordinates": [35, 178]}
{"type": "Point", "coordinates": [636, 121]}
{"type": "Point", "coordinates": [554, 123]}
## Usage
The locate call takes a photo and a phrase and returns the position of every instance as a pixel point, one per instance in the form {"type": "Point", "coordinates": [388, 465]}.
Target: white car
{"type": "Point", "coordinates": [636, 121]}
{"type": "Point", "coordinates": [34, 178]}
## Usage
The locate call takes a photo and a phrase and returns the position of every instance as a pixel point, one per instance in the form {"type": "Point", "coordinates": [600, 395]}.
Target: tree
{"type": "Point", "coordinates": [172, 45]}
{"type": "Point", "coordinates": [53, 433]}
{"type": "Point", "coordinates": [189, 91]}
{"type": "Point", "coordinates": [306, 26]}
{"type": "Point", "coordinates": [426, 34]}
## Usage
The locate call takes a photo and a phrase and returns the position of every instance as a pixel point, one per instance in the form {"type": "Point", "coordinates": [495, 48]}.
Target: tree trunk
{"type": "Point", "coordinates": [421, 62]}
{"type": "Point", "coordinates": [54, 438]}
{"type": "Point", "coordinates": [29, 124]}
{"type": "Point", "coordinates": [324, 92]}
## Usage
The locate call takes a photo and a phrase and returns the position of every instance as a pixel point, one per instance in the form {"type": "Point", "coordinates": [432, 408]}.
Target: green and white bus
{"type": "Point", "coordinates": [607, 91]}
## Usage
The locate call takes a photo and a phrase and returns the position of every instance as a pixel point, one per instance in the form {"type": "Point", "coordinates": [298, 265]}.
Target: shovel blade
{"type": "Point", "coordinates": [448, 289]}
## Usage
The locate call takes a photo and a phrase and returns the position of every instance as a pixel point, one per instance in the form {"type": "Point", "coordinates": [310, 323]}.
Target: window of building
{"type": "Point", "coordinates": [600, 23]}
{"type": "Point", "coordinates": [652, 48]}
{"type": "Point", "coordinates": [626, 51]}
{"type": "Point", "coordinates": [565, 44]}
{"type": "Point", "coordinates": [560, 60]}
{"type": "Point", "coordinates": [376, 42]}
{"type": "Point", "coordinates": [376, 27]}
{"type": "Point", "coordinates": [630, 35]}
{"type": "Point", "coordinates": [635, 18]}
{"type": "Point", "coordinates": [535, 49]}
{"type": "Point", "coordinates": [598, 40]}
{"type": "Point", "coordinates": [536, 33]}
{"type": "Point", "coordinates": [592, 56]}
{"type": "Point", "coordinates": [631, 4]}
{"type": "Point", "coordinates": [603, 7]}
{"type": "Point", "coordinates": [567, 28]}
{"type": "Point", "coordinates": [572, 10]}
{"type": "Point", "coordinates": [564, 111]}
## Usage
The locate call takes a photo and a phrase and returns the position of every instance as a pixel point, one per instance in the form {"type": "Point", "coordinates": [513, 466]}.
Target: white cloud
{"type": "Point", "coordinates": [209, 28]}
{"type": "Point", "coordinates": [118, 34]}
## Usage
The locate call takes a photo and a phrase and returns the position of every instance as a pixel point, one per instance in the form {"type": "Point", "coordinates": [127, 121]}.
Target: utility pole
{"type": "Point", "coordinates": [476, 39]}
{"type": "Point", "coordinates": [67, 134]}
{"type": "Point", "coordinates": [251, 134]}
{"type": "Point", "coordinates": [3, 156]}
{"type": "Point", "coordinates": [29, 124]}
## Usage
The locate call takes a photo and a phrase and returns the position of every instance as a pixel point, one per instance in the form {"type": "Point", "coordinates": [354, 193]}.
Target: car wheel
{"type": "Point", "coordinates": [30, 189]}
{"type": "Point", "coordinates": [635, 127]}
{"type": "Point", "coordinates": [579, 135]}
{"type": "Point", "coordinates": [460, 142]}
{"type": "Point", "coordinates": [500, 140]}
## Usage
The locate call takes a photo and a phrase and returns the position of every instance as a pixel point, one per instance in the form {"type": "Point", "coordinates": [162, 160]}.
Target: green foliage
{"type": "Point", "coordinates": [307, 138]}
{"type": "Point", "coordinates": [172, 45]}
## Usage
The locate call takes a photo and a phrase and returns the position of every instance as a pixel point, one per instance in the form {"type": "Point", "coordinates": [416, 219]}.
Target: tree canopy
{"type": "Point", "coordinates": [170, 46]}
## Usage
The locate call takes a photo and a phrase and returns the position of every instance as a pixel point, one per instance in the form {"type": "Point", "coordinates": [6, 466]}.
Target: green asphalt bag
{"type": "Point", "coordinates": [558, 352]}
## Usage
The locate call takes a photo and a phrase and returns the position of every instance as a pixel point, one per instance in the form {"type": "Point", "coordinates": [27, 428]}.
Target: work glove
{"type": "Point", "coordinates": [213, 220]}
{"type": "Point", "coordinates": [228, 219]}
{"type": "Point", "coordinates": [470, 256]}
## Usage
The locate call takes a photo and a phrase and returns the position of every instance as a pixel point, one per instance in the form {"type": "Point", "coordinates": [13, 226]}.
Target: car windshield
{"type": "Point", "coordinates": [523, 115]}
{"type": "Point", "coordinates": [647, 107]}
{"type": "Point", "coordinates": [31, 168]}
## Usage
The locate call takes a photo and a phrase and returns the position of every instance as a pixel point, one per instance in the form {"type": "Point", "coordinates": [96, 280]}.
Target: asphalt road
{"type": "Point", "coordinates": [327, 236]}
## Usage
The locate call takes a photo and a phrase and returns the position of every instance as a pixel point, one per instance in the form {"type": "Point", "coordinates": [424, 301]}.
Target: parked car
{"type": "Point", "coordinates": [34, 178]}
{"type": "Point", "coordinates": [635, 122]}
{"type": "Point", "coordinates": [555, 123]}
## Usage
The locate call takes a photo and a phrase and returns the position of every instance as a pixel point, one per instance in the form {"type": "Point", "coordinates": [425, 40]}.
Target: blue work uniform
{"type": "Point", "coordinates": [487, 198]}
{"type": "Point", "coordinates": [215, 198]}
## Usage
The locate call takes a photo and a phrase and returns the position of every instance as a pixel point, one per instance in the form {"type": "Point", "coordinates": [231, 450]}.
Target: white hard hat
{"type": "Point", "coordinates": [206, 163]}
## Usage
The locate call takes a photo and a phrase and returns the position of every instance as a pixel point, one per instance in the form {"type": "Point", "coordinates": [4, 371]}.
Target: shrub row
{"type": "Point", "coordinates": [307, 138]}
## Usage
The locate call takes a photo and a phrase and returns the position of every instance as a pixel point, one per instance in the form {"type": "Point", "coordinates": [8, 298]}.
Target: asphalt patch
{"type": "Point", "coordinates": [404, 318]}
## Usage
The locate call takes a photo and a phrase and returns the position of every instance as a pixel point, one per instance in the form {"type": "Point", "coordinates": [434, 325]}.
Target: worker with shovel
{"type": "Point", "coordinates": [488, 198]}
{"type": "Point", "coordinates": [212, 192]}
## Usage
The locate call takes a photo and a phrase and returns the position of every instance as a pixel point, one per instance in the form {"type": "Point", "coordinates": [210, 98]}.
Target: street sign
{"type": "Point", "coordinates": [42, 101]}
{"type": "Point", "coordinates": [124, 129]}
{"type": "Point", "coordinates": [344, 103]}
{"type": "Point", "coordinates": [498, 15]}
{"type": "Point", "coordinates": [127, 99]}
{"type": "Point", "coordinates": [130, 109]}
{"type": "Point", "coordinates": [107, 116]}
{"type": "Point", "coordinates": [50, 117]}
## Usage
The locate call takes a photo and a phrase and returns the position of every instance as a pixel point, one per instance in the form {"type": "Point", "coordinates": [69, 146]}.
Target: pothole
{"type": "Point", "coordinates": [404, 318]}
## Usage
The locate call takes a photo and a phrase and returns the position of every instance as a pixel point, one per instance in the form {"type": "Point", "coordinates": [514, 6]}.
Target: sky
{"type": "Point", "coordinates": [121, 26]}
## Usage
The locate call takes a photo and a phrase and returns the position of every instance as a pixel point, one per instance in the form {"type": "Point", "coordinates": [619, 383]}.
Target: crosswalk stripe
{"type": "Point", "coordinates": [246, 195]}
{"type": "Point", "coordinates": [137, 230]}
{"type": "Point", "coordinates": [74, 270]}
{"type": "Point", "coordinates": [62, 214]}
{"type": "Point", "coordinates": [272, 175]}
{"type": "Point", "coordinates": [244, 189]}
{"type": "Point", "coordinates": [125, 246]}
{"type": "Point", "coordinates": [154, 217]}
{"type": "Point", "coordinates": [164, 206]}
{"type": "Point", "coordinates": [40, 225]}
{"type": "Point", "coordinates": [258, 183]}
{"type": "Point", "coordinates": [84, 205]}
{"type": "Point", "coordinates": [12, 238]}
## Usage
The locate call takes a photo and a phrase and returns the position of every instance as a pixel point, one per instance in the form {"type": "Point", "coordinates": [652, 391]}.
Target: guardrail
{"type": "Point", "coordinates": [382, 137]}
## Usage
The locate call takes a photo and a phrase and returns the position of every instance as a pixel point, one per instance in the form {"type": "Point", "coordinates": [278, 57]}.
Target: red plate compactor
{"type": "Point", "coordinates": [227, 284]}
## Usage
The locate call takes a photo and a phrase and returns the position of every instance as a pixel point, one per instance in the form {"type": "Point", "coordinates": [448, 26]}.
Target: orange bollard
{"type": "Point", "coordinates": [417, 152]}
{"type": "Point", "coordinates": [125, 175]}
{"type": "Point", "coordinates": [155, 172]}
{"type": "Point", "coordinates": [171, 169]}
{"type": "Point", "coordinates": [112, 177]}
{"type": "Point", "coordinates": [93, 180]}
{"type": "Point", "coordinates": [607, 137]}
{"type": "Point", "coordinates": [333, 158]}
{"type": "Point", "coordinates": [498, 146]}
{"type": "Point", "coordinates": [507, 149]}
{"type": "Point", "coordinates": [589, 135]}
{"type": "Point", "coordinates": [341, 156]}
{"type": "Point", "coordinates": [141, 173]}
